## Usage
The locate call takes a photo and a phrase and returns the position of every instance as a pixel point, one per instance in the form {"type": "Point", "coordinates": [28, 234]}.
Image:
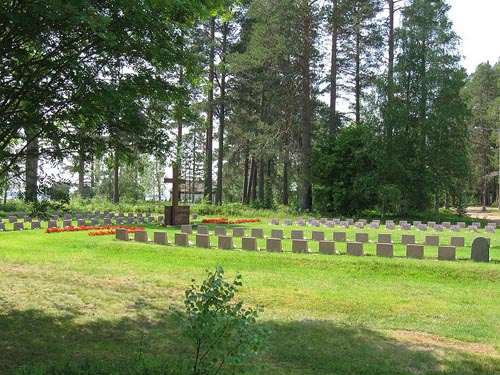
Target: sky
{"type": "Point", "coordinates": [477, 23]}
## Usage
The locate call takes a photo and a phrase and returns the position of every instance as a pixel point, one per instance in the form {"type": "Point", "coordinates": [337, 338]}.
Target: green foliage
{"type": "Point", "coordinates": [224, 334]}
{"type": "Point", "coordinates": [43, 208]}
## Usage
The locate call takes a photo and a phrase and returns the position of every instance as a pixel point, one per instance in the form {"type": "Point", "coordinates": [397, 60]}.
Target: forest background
{"type": "Point", "coordinates": [337, 106]}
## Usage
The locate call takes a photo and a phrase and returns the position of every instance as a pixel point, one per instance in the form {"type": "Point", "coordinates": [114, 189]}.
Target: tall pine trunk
{"type": "Point", "coordinates": [32, 157]}
{"type": "Point", "coordinates": [334, 70]}
{"type": "Point", "coordinates": [210, 115]}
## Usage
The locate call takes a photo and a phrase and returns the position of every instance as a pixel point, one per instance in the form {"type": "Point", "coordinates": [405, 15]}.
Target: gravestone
{"type": "Point", "coordinates": [36, 225]}
{"type": "Point", "coordinates": [446, 253]}
{"type": "Point", "coordinates": [300, 246]}
{"type": "Point", "coordinates": [107, 221]}
{"type": "Point", "coordinates": [119, 220]}
{"type": "Point", "coordinates": [422, 227]}
{"type": "Point", "coordinates": [130, 220]}
{"type": "Point", "coordinates": [161, 218]}
{"type": "Point", "coordinates": [454, 228]}
{"type": "Point", "coordinates": [446, 224]}
{"type": "Point", "coordinates": [350, 221]}
{"type": "Point", "coordinates": [258, 232]}
{"type": "Point", "coordinates": [431, 224]}
{"type": "Point", "coordinates": [203, 241]}
{"type": "Point", "coordinates": [187, 228]}
{"type": "Point", "coordinates": [384, 238]}
{"type": "Point", "coordinates": [67, 216]}
{"type": "Point", "coordinates": [12, 219]}
{"type": "Point", "coordinates": [181, 239]}
{"type": "Point", "coordinates": [318, 236]}
{"type": "Point", "coordinates": [323, 220]}
{"type": "Point", "coordinates": [438, 228]}
{"type": "Point", "coordinates": [336, 221]}
{"type": "Point", "coordinates": [225, 242]}
{"type": "Point", "coordinates": [472, 228]}
{"type": "Point", "coordinates": [141, 236]}
{"type": "Point", "coordinates": [480, 251]}
{"type": "Point", "coordinates": [140, 219]}
{"type": "Point", "coordinates": [202, 229]}
{"type": "Point", "coordinates": [52, 224]}
{"type": "Point", "coordinates": [80, 222]}
{"type": "Point", "coordinates": [344, 224]}
{"type": "Point", "coordinates": [461, 224]}
{"type": "Point", "coordinates": [329, 224]}
{"type": "Point", "coordinates": [2, 226]}
{"type": "Point", "coordinates": [238, 232]}
{"type": "Point", "coordinates": [355, 248]}
{"type": "Point", "coordinates": [457, 241]}
{"type": "Point", "coordinates": [327, 247]}
{"type": "Point", "coordinates": [94, 222]}
{"type": "Point", "coordinates": [160, 238]}
{"type": "Point", "coordinates": [122, 234]}
{"type": "Point", "coordinates": [220, 231]}
{"type": "Point", "coordinates": [489, 229]}
{"type": "Point", "coordinates": [390, 226]}
{"type": "Point", "coordinates": [27, 219]}
{"type": "Point", "coordinates": [288, 222]}
{"type": "Point", "coordinates": [150, 219]}
{"type": "Point", "coordinates": [374, 225]}
{"type": "Point", "coordinates": [277, 233]}
{"type": "Point", "coordinates": [249, 243]}
{"type": "Point", "coordinates": [432, 240]}
{"type": "Point", "coordinates": [340, 236]}
{"type": "Point", "coordinates": [477, 224]}
{"type": "Point", "coordinates": [417, 223]}
{"type": "Point", "coordinates": [415, 251]}
{"type": "Point", "coordinates": [297, 235]}
{"type": "Point", "coordinates": [273, 245]}
{"type": "Point", "coordinates": [18, 225]}
{"type": "Point", "coordinates": [175, 214]}
{"type": "Point", "coordinates": [275, 221]}
{"type": "Point", "coordinates": [67, 223]}
{"type": "Point", "coordinates": [494, 225]}
{"type": "Point", "coordinates": [385, 250]}
{"type": "Point", "coordinates": [362, 237]}
{"type": "Point", "coordinates": [407, 239]}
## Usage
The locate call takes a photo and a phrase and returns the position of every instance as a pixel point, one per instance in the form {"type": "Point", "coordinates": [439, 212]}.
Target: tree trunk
{"type": "Point", "coordinates": [253, 194]}
{"type": "Point", "coordinates": [261, 179]}
{"type": "Point", "coordinates": [306, 115]}
{"type": "Point", "coordinates": [222, 114]}
{"type": "Point", "coordinates": [116, 168]}
{"type": "Point", "coordinates": [333, 73]}
{"type": "Point", "coordinates": [245, 178]}
{"type": "Point", "coordinates": [210, 116]}
{"type": "Point", "coordinates": [358, 75]}
{"type": "Point", "coordinates": [81, 173]}
{"type": "Point", "coordinates": [32, 155]}
{"type": "Point", "coordinates": [286, 161]}
{"type": "Point", "coordinates": [268, 196]}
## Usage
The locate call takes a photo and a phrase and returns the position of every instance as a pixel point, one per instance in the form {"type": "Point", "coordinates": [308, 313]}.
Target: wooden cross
{"type": "Point", "coordinates": [175, 181]}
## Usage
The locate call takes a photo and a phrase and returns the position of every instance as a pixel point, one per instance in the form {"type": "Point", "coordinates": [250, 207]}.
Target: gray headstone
{"type": "Point", "coordinates": [274, 245]}
{"type": "Point", "coordinates": [36, 225]}
{"type": "Point", "coordinates": [107, 221]}
{"type": "Point", "coordinates": [27, 219]}
{"type": "Point", "coordinates": [238, 232]}
{"type": "Point", "coordinates": [277, 233]}
{"type": "Point", "coordinates": [297, 235]}
{"type": "Point", "coordinates": [181, 239]}
{"type": "Point", "coordinates": [160, 238]}
{"type": "Point", "coordinates": [2, 226]}
{"type": "Point", "coordinates": [385, 250]}
{"type": "Point", "coordinates": [318, 236]}
{"type": "Point", "coordinates": [220, 231]}
{"type": "Point", "coordinates": [446, 253]}
{"type": "Point", "coordinates": [432, 240]}
{"type": "Point", "coordinates": [249, 243]}
{"type": "Point", "coordinates": [258, 232]}
{"type": "Point", "coordinates": [340, 236]}
{"type": "Point", "coordinates": [187, 228]}
{"type": "Point", "coordinates": [80, 222]}
{"type": "Point", "coordinates": [288, 222]}
{"type": "Point", "coordinates": [18, 225]}
{"type": "Point", "coordinates": [362, 237]}
{"type": "Point", "coordinates": [202, 229]}
{"type": "Point", "coordinates": [300, 246]}
{"type": "Point", "coordinates": [52, 224]}
{"type": "Point", "coordinates": [480, 251]}
{"type": "Point", "coordinates": [407, 239]}
{"type": "Point", "coordinates": [415, 251]}
{"type": "Point", "coordinates": [203, 241]}
{"type": "Point", "coordinates": [384, 238]}
{"type": "Point", "coordinates": [457, 241]}
{"type": "Point", "coordinates": [122, 234]}
{"type": "Point", "coordinates": [141, 236]}
{"type": "Point", "coordinates": [225, 242]}
{"type": "Point", "coordinates": [327, 247]}
{"type": "Point", "coordinates": [275, 221]}
{"type": "Point", "coordinates": [355, 248]}
{"type": "Point", "coordinates": [67, 223]}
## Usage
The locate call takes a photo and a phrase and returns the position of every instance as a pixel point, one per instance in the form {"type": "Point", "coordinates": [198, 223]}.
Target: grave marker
{"type": "Point", "coordinates": [258, 232]}
{"type": "Point", "coordinates": [122, 234]}
{"type": "Point", "coordinates": [277, 233]}
{"type": "Point", "coordinates": [355, 248]}
{"type": "Point", "coordinates": [385, 250]}
{"type": "Point", "coordinates": [300, 247]}
{"type": "Point", "coordinates": [327, 247]}
{"type": "Point", "coordinates": [141, 236]}
{"type": "Point", "coordinates": [432, 240]}
{"type": "Point", "coordinates": [362, 237]}
{"type": "Point", "coordinates": [407, 239]}
{"type": "Point", "coordinates": [202, 229]}
{"type": "Point", "coordinates": [249, 243]}
{"type": "Point", "coordinates": [273, 245]}
{"type": "Point", "coordinates": [175, 214]}
{"type": "Point", "coordinates": [181, 239]}
{"type": "Point", "coordinates": [480, 251]}
{"type": "Point", "coordinates": [318, 236]}
{"type": "Point", "coordinates": [384, 238]}
{"type": "Point", "coordinates": [340, 236]}
{"type": "Point", "coordinates": [457, 241]}
{"type": "Point", "coordinates": [160, 238]}
{"type": "Point", "coordinates": [446, 253]}
{"type": "Point", "coordinates": [238, 232]}
{"type": "Point", "coordinates": [415, 251]}
{"type": "Point", "coordinates": [203, 241]}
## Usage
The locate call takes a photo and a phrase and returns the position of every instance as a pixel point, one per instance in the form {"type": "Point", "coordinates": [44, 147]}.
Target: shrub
{"type": "Point", "coordinates": [224, 334]}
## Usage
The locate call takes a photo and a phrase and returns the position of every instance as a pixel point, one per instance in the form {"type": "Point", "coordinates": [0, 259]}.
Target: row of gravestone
{"type": "Point", "coordinates": [479, 250]}
{"type": "Point", "coordinates": [21, 225]}
{"type": "Point", "coordinates": [130, 218]}
{"type": "Point", "coordinates": [389, 224]}
{"type": "Point", "coordinates": [406, 239]}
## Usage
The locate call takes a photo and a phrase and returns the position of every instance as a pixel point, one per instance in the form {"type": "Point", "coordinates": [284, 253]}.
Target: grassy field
{"type": "Point", "coordinates": [71, 296]}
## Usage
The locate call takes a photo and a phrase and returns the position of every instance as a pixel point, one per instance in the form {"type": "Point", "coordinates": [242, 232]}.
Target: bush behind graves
{"type": "Point", "coordinates": [224, 334]}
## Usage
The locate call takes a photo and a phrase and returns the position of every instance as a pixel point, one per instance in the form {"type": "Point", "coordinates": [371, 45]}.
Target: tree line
{"type": "Point", "coordinates": [339, 106]}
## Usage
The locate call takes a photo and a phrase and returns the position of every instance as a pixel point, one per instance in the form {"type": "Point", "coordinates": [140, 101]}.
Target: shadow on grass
{"type": "Point", "coordinates": [32, 337]}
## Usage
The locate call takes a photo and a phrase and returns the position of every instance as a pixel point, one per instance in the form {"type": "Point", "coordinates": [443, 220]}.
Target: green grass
{"type": "Point", "coordinates": [69, 295]}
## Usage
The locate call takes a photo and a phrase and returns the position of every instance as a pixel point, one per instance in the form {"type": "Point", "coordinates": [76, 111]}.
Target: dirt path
{"type": "Point", "coordinates": [491, 213]}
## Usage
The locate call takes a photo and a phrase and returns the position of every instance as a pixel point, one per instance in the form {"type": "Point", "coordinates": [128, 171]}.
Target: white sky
{"type": "Point", "coordinates": [477, 22]}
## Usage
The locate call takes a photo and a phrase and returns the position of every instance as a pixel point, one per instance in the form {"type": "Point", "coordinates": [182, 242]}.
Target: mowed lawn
{"type": "Point", "coordinates": [70, 295]}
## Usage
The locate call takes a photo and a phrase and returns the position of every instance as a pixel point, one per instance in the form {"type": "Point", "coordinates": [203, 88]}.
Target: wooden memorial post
{"type": "Point", "coordinates": [175, 214]}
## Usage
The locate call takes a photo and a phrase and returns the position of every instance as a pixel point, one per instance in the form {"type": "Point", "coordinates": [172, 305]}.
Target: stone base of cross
{"type": "Point", "coordinates": [175, 214]}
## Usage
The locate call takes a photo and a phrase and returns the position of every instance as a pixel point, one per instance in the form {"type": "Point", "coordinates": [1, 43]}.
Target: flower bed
{"type": "Point", "coordinates": [225, 220]}
{"type": "Point", "coordinates": [102, 230]}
